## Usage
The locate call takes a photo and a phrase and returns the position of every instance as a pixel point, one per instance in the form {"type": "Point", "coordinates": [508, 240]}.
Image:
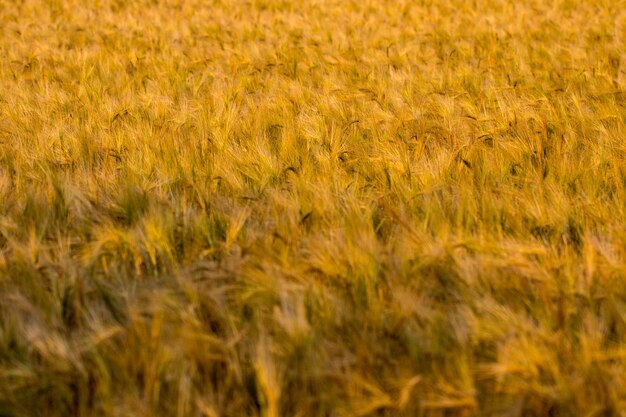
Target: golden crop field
{"type": "Point", "coordinates": [312, 208]}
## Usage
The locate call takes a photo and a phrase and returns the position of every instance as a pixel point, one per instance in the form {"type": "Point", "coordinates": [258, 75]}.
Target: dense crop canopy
{"type": "Point", "coordinates": [312, 208]}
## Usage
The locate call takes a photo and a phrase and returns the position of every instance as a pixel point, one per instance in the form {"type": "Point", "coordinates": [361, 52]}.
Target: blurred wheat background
{"type": "Point", "coordinates": [312, 208]}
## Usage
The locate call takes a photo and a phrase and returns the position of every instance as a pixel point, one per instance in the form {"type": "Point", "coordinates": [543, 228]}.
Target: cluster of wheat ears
{"type": "Point", "coordinates": [312, 208]}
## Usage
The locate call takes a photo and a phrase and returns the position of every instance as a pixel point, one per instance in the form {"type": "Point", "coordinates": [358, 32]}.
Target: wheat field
{"type": "Point", "coordinates": [312, 208]}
